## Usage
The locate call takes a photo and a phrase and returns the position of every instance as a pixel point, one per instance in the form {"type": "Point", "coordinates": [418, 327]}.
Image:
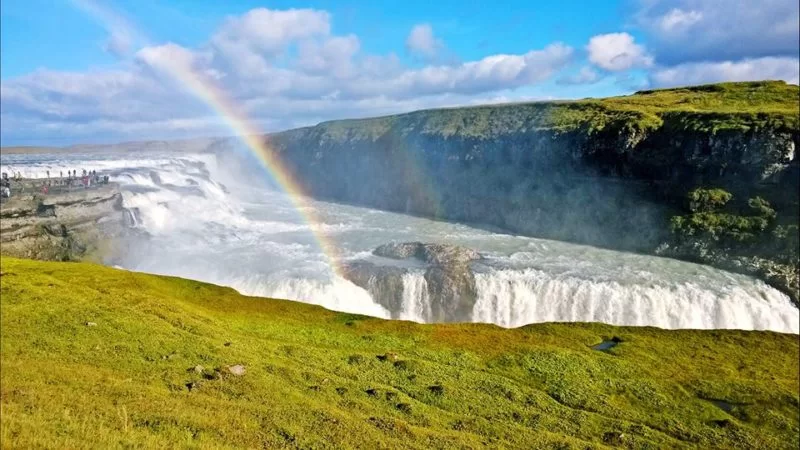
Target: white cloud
{"type": "Point", "coordinates": [118, 44]}
{"type": "Point", "coordinates": [248, 42]}
{"type": "Point", "coordinates": [681, 31]}
{"type": "Point", "coordinates": [768, 68]}
{"type": "Point", "coordinates": [334, 55]}
{"type": "Point", "coordinates": [488, 74]}
{"type": "Point", "coordinates": [421, 42]}
{"type": "Point", "coordinates": [269, 31]}
{"type": "Point", "coordinates": [167, 57]}
{"type": "Point", "coordinates": [283, 68]}
{"type": "Point", "coordinates": [617, 51]}
{"type": "Point", "coordinates": [586, 75]}
{"type": "Point", "coordinates": [678, 19]}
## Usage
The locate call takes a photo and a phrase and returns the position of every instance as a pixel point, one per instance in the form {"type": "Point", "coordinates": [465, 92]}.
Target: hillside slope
{"type": "Point", "coordinates": [98, 357]}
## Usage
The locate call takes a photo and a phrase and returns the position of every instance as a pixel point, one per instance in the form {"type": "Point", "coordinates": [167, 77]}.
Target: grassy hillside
{"type": "Point", "coordinates": [98, 357]}
{"type": "Point", "coordinates": [715, 107]}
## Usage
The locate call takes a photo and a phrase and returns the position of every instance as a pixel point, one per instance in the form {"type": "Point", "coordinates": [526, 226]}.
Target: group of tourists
{"type": "Point", "coordinates": [86, 180]}
{"type": "Point", "coordinates": [5, 186]}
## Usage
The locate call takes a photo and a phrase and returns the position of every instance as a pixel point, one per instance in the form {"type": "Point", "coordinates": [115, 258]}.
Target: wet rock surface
{"type": "Point", "coordinates": [449, 280]}
{"type": "Point", "coordinates": [438, 254]}
{"type": "Point", "coordinates": [384, 283]}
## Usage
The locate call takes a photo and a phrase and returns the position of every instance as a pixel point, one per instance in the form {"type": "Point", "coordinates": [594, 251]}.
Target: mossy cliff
{"type": "Point", "coordinates": [94, 357]}
{"type": "Point", "coordinates": [609, 172]}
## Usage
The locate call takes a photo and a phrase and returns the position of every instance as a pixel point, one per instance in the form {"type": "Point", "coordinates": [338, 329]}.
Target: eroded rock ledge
{"type": "Point", "coordinates": [447, 274]}
{"type": "Point", "coordinates": [63, 226]}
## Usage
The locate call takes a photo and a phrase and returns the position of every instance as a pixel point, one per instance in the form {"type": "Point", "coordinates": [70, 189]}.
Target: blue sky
{"type": "Point", "coordinates": [92, 70]}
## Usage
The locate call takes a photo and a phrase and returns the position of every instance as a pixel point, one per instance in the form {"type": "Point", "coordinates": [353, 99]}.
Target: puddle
{"type": "Point", "coordinates": [723, 405]}
{"type": "Point", "coordinates": [607, 344]}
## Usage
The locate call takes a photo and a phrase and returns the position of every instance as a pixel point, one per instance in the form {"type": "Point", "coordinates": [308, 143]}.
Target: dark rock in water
{"type": "Point", "coordinates": [399, 250]}
{"type": "Point", "coordinates": [452, 292]}
{"type": "Point", "coordinates": [449, 278]}
{"type": "Point", "coordinates": [438, 254]}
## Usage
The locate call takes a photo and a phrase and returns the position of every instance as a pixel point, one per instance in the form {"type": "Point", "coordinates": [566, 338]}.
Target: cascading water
{"type": "Point", "coordinates": [416, 300]}
{"type": "Point", "coordinates": [513, 298]}
{"type": "Point", "coordinates": [197, 220]}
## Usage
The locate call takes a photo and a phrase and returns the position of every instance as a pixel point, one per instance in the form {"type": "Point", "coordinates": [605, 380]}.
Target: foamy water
{"type": "Point", "coordinates": [201, 221]}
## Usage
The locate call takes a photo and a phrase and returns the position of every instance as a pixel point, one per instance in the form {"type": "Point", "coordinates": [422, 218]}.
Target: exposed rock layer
{"type": "Point", "coordinates": [62, 226]}
{"type": "Point", "coordinates": [448, 277]}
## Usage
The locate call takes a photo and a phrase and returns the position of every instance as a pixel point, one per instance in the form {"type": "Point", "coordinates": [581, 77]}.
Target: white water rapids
{"type": "Point", "coordinates": [201, 221]}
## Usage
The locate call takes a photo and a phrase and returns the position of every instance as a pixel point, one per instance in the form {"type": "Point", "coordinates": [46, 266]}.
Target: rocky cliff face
{"type": "Point", "coordinates": [448, 277]}
{"type": "Point", "coordinates": [607, 172]}
{"type": "Point", "coordinates": [579, 185]}
{"type": "Point", "coordinates": [62, 226]}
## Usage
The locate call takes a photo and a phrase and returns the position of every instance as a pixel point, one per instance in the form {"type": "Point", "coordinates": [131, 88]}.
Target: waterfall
{"type": "Point", "coordinates": [513, 298]}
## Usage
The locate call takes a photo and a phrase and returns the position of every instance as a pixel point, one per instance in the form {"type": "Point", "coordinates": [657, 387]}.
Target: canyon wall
{"type": "Point", "coordinates": [608, 172]}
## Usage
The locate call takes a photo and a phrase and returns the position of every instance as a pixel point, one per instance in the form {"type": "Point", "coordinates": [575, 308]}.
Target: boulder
{"type": "Point", "coordinates": [438, 254]}
{"type": "Point", "coordinates": [450, 282]}
{"type": "Point", "coordinates": [452, 292]}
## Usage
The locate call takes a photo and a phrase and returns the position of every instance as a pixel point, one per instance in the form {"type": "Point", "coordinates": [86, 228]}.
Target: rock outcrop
{"type": "Point", "coordinates": [449, 280]}
{"type": "Point", "coordinates": [62, 226]}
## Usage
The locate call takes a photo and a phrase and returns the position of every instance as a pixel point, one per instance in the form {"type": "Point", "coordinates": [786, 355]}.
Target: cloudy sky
{"type": "Point", "coordinates": [112, 70]}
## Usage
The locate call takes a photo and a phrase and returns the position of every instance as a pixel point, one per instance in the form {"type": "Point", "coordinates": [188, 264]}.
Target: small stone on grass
{"type": "Point", "coordinates": [237, 370]}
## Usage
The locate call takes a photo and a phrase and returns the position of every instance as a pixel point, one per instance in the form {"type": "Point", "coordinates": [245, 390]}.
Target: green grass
{"type": "Point", "coordinates": [709, 108]}
{"type": "Point", "coordinates": [314, 379]}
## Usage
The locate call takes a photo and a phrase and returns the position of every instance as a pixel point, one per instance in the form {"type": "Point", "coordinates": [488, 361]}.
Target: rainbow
{"type": "Point", "coordinates": [235, 119]}
{"type": "Point", "coordinates": [255, 141]}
